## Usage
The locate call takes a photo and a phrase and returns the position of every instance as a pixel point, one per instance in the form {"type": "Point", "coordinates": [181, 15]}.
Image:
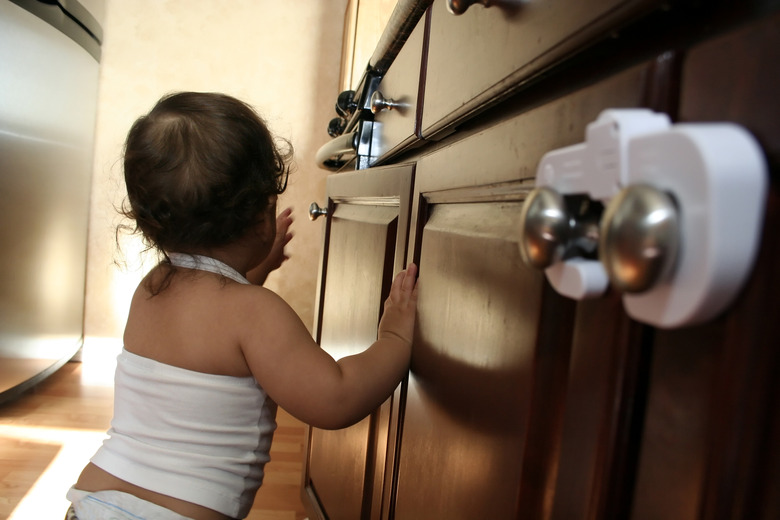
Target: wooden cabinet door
{"type": "Point", "coordinates": [710, 444]}
{"type": "Point", "coordinates": [484, 406]}
{"type": "Point", "coordinates": [365, 244]}
{"type": "Point", "coordinates": [468, 404]}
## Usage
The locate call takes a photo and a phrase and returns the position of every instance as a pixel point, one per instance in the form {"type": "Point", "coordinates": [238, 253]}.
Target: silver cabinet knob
{"type": "Point", "coordinates": [544, 228]}
{"type": "Point", "coordinates": [380, 103]}
{"type": "Point", "coordinates": [315, 211]}
{"type": "Point", "coordinates": [640, 237]}
{"type": "Point", "coordinates": [458, 7]}
{"type": "Point", "coordinates": [556, 227]}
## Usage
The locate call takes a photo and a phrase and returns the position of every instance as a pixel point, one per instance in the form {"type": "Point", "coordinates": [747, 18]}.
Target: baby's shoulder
{"type": "Point", "coordinates": [255, 298]}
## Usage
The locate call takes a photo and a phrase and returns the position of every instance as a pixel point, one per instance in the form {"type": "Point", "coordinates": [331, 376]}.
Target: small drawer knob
{"type": "Point", "coordinates": [458, 7]}
{"type": "Point", "coordinates": [315, 211]}
{"type": "Point", "coordinates": [380, 103]}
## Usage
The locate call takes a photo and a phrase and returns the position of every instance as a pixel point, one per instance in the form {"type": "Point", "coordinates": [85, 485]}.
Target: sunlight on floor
{"type": "Point", "coordinates": [46, 499]}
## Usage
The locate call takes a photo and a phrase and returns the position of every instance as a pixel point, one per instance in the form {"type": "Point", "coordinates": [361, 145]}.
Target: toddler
{"type": "Point", "coordinates": [208, 352]}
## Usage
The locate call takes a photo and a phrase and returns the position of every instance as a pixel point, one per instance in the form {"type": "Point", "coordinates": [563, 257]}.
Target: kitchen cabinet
{"type": "Point", "coordinates": [520, 402]}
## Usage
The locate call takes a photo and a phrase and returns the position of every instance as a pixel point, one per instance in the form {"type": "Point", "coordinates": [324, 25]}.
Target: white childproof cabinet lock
{"type": "Point", "coordinates": [681, 229]}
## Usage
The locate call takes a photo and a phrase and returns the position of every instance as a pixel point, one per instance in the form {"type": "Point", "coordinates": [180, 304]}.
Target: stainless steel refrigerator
{"type": "Point", "coordinates": [49, 61]}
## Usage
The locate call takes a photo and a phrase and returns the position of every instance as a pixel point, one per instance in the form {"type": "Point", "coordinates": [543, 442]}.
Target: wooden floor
{"type": "Point", "coordinates": [49, 434]}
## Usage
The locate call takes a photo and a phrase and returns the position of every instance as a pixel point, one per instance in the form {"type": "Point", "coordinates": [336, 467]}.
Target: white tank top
{"type": "Point", "coordinates": [202, 438]}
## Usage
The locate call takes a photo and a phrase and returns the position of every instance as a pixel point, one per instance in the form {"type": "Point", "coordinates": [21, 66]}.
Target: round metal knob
{"type": "Point", "coordinates": [544, 225]}
{"type": "Point", "coordinates": [458, 7]}
{"type": "Point", "coordinates": [315, 211]}
{"type": "Point", "coordinates": [640, 237]}
{"type": "Point", "coordinates": [379, 103]}
{"type": "Point", "coordinates": [345, 103]}
{"type": "Point", "coordinates": [336, 126]}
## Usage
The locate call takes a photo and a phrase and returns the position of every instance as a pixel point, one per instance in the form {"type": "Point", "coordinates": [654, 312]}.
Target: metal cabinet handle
{"type": "Point", "coordinates": [458, 7]}
{"type": "Point", "coordinates": [555, 228]}
{"type": "Point", "coordinates": [544, 228]}
{"type": "Point", "coordinates": [640, 238]}
{"type": "Point", "coordinates": [315, 211]}
{"type": "Point", "coordinates": [379, 103]}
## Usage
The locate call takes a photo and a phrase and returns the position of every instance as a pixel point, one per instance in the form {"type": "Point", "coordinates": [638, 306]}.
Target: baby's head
{"type": "Point", "coordinates": [201, 170]}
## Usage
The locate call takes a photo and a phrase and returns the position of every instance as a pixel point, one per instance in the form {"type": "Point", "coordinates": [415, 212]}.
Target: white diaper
{"type": "Point", "coordinates": [116, 505]}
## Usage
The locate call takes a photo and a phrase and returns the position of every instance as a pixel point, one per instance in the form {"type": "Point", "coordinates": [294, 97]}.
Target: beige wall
{"type": "Point", "coordinates": [281, 57]}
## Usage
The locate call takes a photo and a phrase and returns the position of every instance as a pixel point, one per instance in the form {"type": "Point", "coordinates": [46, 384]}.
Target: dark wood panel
{"type": "Point", "coordinates": [605, 392]}
{"type": "Point", "coordinates": [710, 445]}
{"type": "Point", "coordinates": [340, 461]}
{"type": "Point", "coordinates": [467, 407]}
{"type": "Point", "coordinates": [365, 242]}
{"type": "Point", "coordinates": [471, 185]}
{"type": "Point", "coordinates": [672, 466]}
{"type": "Point", "coordinates": [548, 393]}
{"type": "Point", "coordinates": [735, 78]}
{"type": "Point", "coordinates": [602, 405]}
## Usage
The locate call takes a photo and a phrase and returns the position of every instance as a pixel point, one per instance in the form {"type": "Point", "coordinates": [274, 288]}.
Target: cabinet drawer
{"type": "Point", "coordinates": [396, 127]}
{"type": "Point", "coordinates": [481, 55]}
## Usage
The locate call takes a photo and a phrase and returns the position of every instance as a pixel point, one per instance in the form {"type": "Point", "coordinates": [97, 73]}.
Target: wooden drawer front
{"type": "Point", "coordinates": [396, 128]}
{"type": "Point", "coordinates": [482, 54]}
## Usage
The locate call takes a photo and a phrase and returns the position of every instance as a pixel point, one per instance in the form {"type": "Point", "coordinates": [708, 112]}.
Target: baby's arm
{"type": "Point", "coordinates": [308, 383]}
{"type": "Point", "coordinates": [276, 256]}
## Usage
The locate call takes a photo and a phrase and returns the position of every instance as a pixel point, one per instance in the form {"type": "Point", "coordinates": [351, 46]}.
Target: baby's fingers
{"type": "Point", "coordinates": [283, 221]}
{"type": "Point", "coordinates": [410, 278]}
{"type": "Point", "coordinates": [403, 287]}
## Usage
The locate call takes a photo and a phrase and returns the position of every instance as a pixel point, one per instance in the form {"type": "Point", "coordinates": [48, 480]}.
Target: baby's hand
{"type": "Point", "coordinates": [401, 307]}
{"type": "Point", "coordinates": [277, 256]}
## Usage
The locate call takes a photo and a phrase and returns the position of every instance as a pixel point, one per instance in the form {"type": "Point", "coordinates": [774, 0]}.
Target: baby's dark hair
{"type": "Point", "coordinates": [200, 171]}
